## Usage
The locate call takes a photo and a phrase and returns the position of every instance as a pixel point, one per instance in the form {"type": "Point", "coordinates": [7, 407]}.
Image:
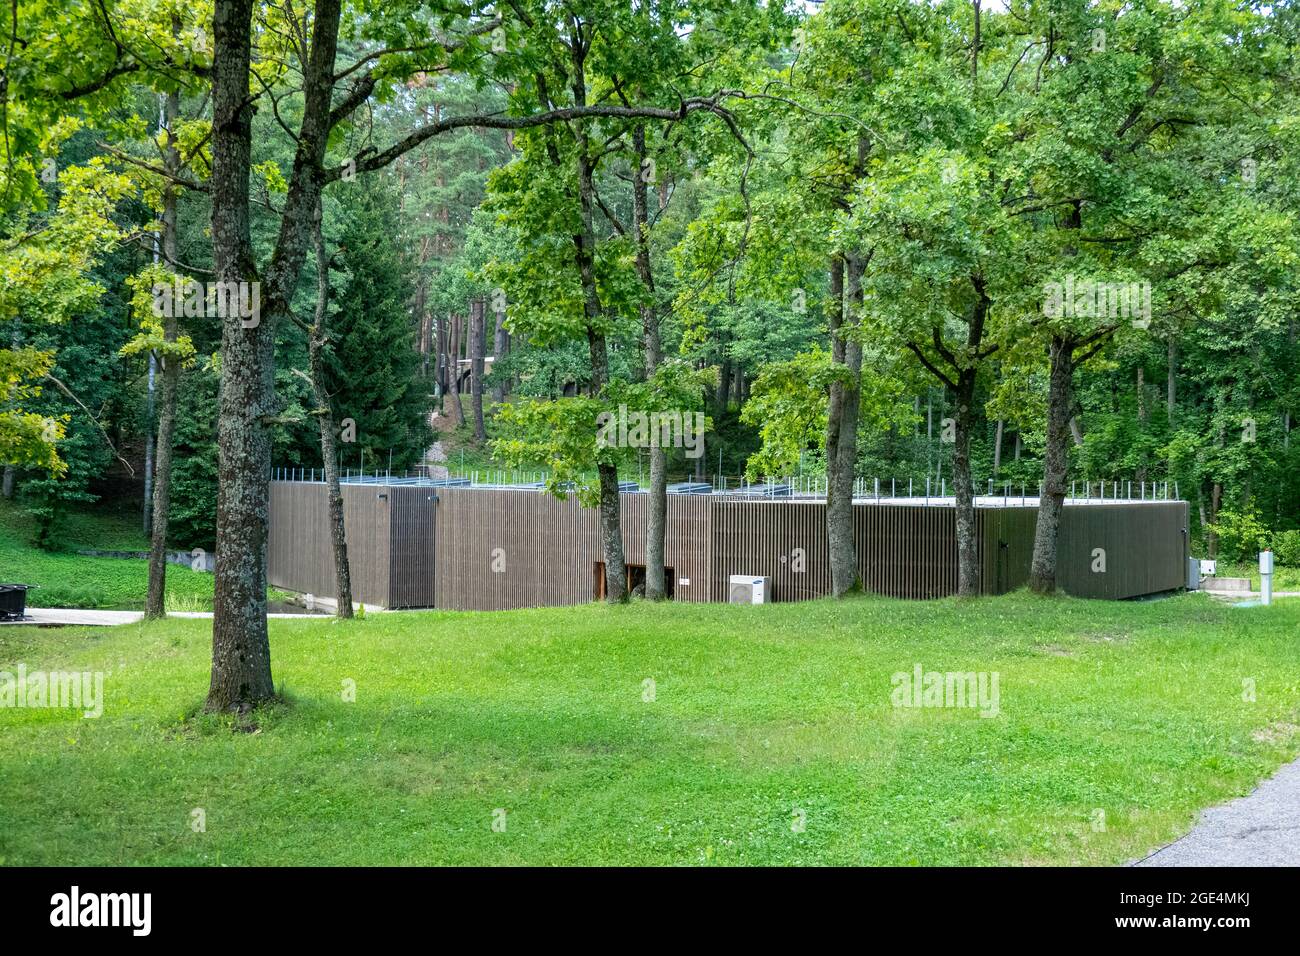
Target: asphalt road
{"type": "Point", "coordinates": [1261, 829]}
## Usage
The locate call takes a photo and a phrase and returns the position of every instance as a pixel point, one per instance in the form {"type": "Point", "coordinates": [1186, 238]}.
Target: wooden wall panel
{"type": "Point", "coordinates": [299, 553]}
{"type": "Point", "coordinates": [903, 550]}
{"type": "Point", "coordinates": [1145, 545]}
{"type": "Point", "coordinates": [412, 512]}
{"type": "Point", "coordinates": [418, 547]}
{"type": "Point", "coordinates": [546, 550]}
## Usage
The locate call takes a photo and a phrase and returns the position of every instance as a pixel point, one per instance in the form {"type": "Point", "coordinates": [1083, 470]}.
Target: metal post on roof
{"type": "Point", "coordinates": [1176, 498]}
{"type": "Point", "coordinates": [927, 489]}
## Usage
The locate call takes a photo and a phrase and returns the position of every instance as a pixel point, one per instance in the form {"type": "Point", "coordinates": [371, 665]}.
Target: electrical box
{"type": "Point", "coordinates": [1208, 568]}
{"type": "Point", "coordinates": [1193, 574]}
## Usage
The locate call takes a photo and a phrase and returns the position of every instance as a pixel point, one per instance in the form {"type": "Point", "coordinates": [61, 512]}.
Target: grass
{"type": "Point", "coordinates": [68, 579]}
{"type": "Point", "coordinates": [760, 716]}
{"type": "Point", "coordinates": [1284, 579]}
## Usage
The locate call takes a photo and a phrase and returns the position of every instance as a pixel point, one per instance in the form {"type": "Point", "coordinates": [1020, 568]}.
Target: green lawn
{"type": "Point", "coordinates": [759, 714]}
{"type": "Point", "coordinates": [68, 579]}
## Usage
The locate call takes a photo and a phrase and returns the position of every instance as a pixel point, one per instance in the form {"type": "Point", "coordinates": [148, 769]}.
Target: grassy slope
{"type": "Point", "coordinates": [67, 579]}
{"type": "Point", "coordinates": [1132, 708]}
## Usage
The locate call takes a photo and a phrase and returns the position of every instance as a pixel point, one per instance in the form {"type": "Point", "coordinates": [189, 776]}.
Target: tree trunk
{"type": "Point", "coordinates": [477, 340]}
{"type": "Point", "coordinates": [1171, 376]}
{"type": "Point", "coordinates": [584, 243]}
{"type": "Point", "coordinates": [1076, 429]}
{"type": "Point", "coordinates": [150, 421]}
{"type": "Point", "coordinates": [420, 309]}
{"type": "Point", "coordinates": [453, 371]}
{"type": "Point", "coordinates": [723, 397]}
{"type": "Point", "coordinates": [842, 425]}
{"type": "Point", "coordinates": [968, 565]}
{"type": "Point", "coordinates": [440, 372]}
{"type": "Point", "coordinates": [500, 348]}
{"type": "Point", "coordinates": [7, 483]}
{"type": "Point", "coordinates": [155, 602]}
{"type": "Point", "coordinates": [968, 580]}
{"type": "Point", "coordinates": [241, 654]}
{"type": "Point", "coordinates": [1042, 571]}
{"type": "Point", "coordinates": [317, 337]}
{"type": "Point", "coordinates": [1143, 416]}
{"type": "Point", "coordinates": [1212, 536]}
{"type": "Point", "coordinates": [657, 513]}
{"type": "Point", "coordinates": [997, 449]}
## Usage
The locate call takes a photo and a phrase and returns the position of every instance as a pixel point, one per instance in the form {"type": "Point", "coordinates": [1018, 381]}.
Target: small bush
{"type": "Point", "coordinates": [1241, 535]}
{"type": "Point", "coordinates": [1286, 548]}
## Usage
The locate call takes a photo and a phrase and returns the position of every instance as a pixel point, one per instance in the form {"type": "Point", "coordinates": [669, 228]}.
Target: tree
{"type": "Point", "coordinates": [372, 368]}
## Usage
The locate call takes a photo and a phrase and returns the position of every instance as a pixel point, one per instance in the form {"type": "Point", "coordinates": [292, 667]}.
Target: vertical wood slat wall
{"type": "Point", "coordinates": [426, 547]}
{"type": "Point", "coordinates": [1145, 547]}
{"type": "Point", "coordinates": [506, 548]}
{"type": "Point", "coordinates": [903, 550]}
{"type": "Point", "coordinates": [300, 555]}
{"type": "Point", "coordinates": [412, 575]}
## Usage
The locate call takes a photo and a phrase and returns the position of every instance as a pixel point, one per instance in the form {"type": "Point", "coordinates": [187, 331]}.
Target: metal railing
{"type": "Point", "coordinates": [990, 493]}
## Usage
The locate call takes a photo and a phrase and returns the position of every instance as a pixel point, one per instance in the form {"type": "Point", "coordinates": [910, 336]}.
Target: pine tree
{"type": "Point", "coordinates": [374, 365]}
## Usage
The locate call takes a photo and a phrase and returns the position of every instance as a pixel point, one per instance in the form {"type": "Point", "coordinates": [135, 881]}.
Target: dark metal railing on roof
{"type": "Point", "coordinates": [797, 487]}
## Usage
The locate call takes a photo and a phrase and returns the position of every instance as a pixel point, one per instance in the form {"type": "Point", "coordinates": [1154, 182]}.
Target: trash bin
{"type": "Point", "coordinates": [13, 601]}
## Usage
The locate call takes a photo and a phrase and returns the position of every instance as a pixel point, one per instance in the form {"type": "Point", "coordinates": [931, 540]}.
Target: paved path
{"type": "Point", "coordinates": [72, 617]}
{"type": "Point", "coordinates": [51, 616]}
{"type": "Point", "coordinates": [1261, 829]}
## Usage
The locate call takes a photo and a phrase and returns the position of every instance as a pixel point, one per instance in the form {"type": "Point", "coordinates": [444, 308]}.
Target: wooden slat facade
{"type": "Point", "coordinates": [1145, 546]}
{"type": "Point", "coordinates": [507, 548]}
{"type": "Point", "coordinates": [903, 550]}
{"type": "Point", "coordinates": [500, 548]}
{"type": "Point", "coordinates": [299, 554]}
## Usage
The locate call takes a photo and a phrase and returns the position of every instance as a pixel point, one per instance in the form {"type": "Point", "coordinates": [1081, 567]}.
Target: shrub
{"type": "Point", "coordinates": [1241, 535]}
{"type": "Point", "coordinates": [1286, 548]}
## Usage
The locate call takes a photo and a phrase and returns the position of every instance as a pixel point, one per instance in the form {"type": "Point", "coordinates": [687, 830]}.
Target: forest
{"type": "Point", "coordinates": [1041, 244]}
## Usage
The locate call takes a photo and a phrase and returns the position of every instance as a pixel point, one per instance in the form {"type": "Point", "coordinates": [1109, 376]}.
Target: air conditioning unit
{"type": "Point", "coordinates": [748, 589]}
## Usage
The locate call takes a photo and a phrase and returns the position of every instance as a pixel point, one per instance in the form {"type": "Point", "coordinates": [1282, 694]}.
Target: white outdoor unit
{"type": "Point", "coordinates": [749, 589]}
